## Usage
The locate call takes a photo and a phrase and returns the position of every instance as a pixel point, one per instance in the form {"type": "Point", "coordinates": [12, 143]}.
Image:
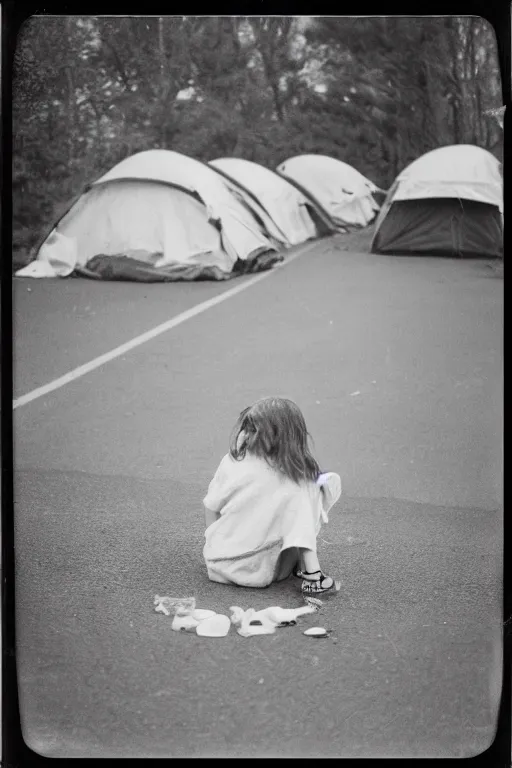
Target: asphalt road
{"type": "Point", "coordinates": [397, 364]}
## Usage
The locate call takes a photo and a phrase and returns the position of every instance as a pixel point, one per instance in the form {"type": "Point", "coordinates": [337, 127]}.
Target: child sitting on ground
{"type": "Point", "coordinates": [266, 501]}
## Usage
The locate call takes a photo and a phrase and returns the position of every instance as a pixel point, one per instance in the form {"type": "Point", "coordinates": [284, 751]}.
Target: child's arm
{"type": "Point", "coordinates": [210, 517]}
{"type": "Point", "coordinates": [217, 492]}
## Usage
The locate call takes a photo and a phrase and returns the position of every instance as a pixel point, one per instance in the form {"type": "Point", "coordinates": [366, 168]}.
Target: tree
{"type": "Point", "coordinates": [374, 92]}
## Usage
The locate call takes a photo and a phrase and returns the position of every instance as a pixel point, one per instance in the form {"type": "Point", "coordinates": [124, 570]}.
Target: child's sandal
{"type": "Point", "coordinates": [315, 585]}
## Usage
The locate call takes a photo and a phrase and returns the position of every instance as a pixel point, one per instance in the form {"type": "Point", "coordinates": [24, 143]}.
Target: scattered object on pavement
{"type": "Point", "coordinates": [357, 392]}
{"type": "Point", "coordinates": [316, 632]}
{"type": "Point", "coordinates": [265, 622]}
{"type": "Point", "coordinates": [202, 613]}
{"type": "Point", "coordinates": [208, 623]}
{"type": "Point", "coordinates": [313, 601]}
{"type": "Point", "coordinates": [326, 595]}
{"type": "Point", "coordinates": [215, 626]}
{"type": "Point", "coordinates": [242, 621]}
{"type": "Point", "coordinates": [184, 622]}
{"type": "Point", "coordinates": [186, 615]}
{"type": "Point", "coordinates": [177, 605]}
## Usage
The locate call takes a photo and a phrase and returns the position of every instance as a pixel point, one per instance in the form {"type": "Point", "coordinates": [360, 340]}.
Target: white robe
{"type": "Point", "coordinates": [264, 517]}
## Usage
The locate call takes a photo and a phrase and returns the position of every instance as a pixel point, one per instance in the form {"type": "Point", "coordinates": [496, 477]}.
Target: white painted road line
{"type": "Point", "coordinates": [151, 334]}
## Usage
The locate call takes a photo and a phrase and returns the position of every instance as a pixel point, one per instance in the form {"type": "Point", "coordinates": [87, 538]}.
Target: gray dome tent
{"type": "Point", "coordinates": [296, 213]}
{"type": "Point", "coordinates": [343, 192]}
{"type": "Point", "coordinates": [449, 201]}
{"type": "Point", "coordinates": [159, 216]}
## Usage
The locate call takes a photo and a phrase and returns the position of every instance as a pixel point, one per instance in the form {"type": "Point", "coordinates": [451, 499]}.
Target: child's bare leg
{"type": "Point", "coordinates": [309, 560]}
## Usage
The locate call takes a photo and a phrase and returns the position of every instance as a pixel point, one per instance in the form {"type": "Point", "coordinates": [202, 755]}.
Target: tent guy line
{"type": "Point", "coordinates": [198, 309]}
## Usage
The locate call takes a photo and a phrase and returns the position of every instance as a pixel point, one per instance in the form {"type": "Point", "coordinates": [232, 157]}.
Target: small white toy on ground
{"type": "Point", "coordinates": [208, 623]}
{"type": "Point", "coordinates": [316, 632]}
{"type": "Point", "coordinates": [189, 618]}
{"type": "Point", "coordinates": [215, 626]}
{"type": "Point", "coordinates": [181, 605]}
{"type": "Point", "coordinates": [265, 622]}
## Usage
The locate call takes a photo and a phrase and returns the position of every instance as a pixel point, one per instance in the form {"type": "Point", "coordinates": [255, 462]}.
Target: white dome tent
{"type": "Point", "coordinates": [298, 217]}
{"type": "Point", "coordinates": [158, 215]}
{"type": "Point", "coordinates": [345, 193]}
{"type": "Point", "coordinates": [449, 200]}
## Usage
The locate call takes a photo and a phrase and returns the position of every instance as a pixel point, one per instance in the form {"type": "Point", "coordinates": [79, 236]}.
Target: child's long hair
{"type": "Point", "coordinates": [274, 429]}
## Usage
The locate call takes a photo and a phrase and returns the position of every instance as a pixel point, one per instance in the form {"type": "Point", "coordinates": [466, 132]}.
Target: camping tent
{"type": "Point", "coordinates": [297, 216]}
{"type": "Point", "coordinates": [158, 215]}
{"type": "Point", "coordinates": [450, 201]}
{"type": "Point", "coordinates": [345, 193]}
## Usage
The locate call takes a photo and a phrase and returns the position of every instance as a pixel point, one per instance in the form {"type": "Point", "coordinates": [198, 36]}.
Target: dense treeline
{"type": "Point", "coordinates": [374, 92]}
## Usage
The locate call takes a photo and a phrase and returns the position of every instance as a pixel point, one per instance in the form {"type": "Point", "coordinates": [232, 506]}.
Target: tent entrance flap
{"type": "Point", "coordinates": [442, 226]}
